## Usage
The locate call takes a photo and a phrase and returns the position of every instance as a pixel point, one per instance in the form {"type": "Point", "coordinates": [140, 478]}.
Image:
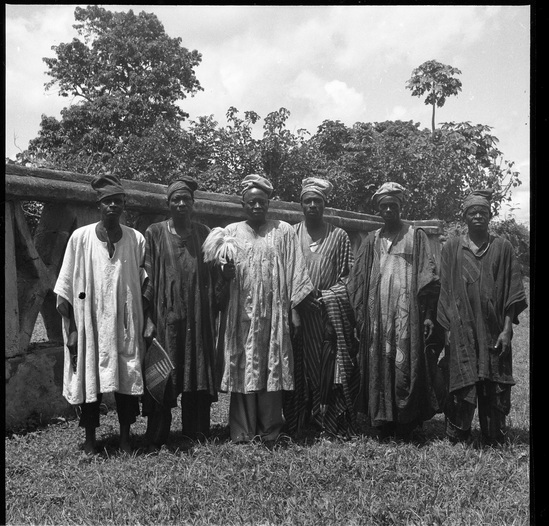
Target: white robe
{"type": "Point", "coordinates": [106, 297]}
{"type": "Point", "coordinates": [271, 278]}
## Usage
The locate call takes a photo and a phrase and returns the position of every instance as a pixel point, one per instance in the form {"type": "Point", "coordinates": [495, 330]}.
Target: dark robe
{"type": "Point", "coordinates": [476, 292]}
{"type": "Point", "coordinates": [398, 389]}
{"type": "Point", "coordinates": [180, 292]}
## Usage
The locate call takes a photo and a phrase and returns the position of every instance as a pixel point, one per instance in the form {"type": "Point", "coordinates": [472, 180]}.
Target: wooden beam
{"type": "Point", "coordinates": [47, 185]}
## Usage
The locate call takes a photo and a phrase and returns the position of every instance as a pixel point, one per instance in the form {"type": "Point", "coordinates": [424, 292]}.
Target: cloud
{"type": "Point", "coordinates": [398, 113]}
{"type": "Point", "coordinates": [318, 100]}
{"type": "Point", "coordinates": [347, 63]}
{"type": "Point", "coordinates": [28, 39]}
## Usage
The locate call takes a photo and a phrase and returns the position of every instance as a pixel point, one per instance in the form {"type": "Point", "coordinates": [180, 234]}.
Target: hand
{"type": "Point", "coordinates": [311, 304]}
{"type": "Point", "coordinates": [428, 327]}
{"type": "Point", "coordinates": [228, 270]}
{"type": "Point", "coordinates": [72, 345]}
{"type": "Point", "coordinates": [150, 330]}
{"type": "Point", "coordinates": [503, 343]}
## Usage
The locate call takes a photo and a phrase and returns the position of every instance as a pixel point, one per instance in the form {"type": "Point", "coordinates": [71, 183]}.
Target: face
{"type": "Point", "coordinates": [180, 204]}
{"type": "Point", "coordinates": [312, 205]}
{"type": "Point", "coordinates": [389, 209]}
{"type": "Point", "coordinates": [477, 218]}
{"type": "Point", "coordinates": [256, 204]}
{"type": "Point", "coordinates": [111, 207]}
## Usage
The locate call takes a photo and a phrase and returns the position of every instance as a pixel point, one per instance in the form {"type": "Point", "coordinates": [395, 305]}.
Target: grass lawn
{"type": "Point", "coordinates": [311, 481]}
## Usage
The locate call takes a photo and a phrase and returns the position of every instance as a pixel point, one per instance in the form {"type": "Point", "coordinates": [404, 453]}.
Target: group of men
{"type": "Point", "coordinates": [298, 331]}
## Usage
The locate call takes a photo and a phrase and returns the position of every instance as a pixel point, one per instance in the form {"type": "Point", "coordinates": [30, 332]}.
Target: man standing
{"type": "Point", "coordinates": [393, 287]}
{"type": "Point", "coordinates": [99, 297]}
{"type": "Point", "coordinates": [180, 312]}
{"type": "Point", "coordinates": [270, 278]}
{"type": "Point", "coordinates": [481, 296]}
{"type": "Point", "coordinates": [326, 375]}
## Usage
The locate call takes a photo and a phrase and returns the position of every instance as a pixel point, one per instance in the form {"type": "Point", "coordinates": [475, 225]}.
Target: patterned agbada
{"type": "Point", "coordinates": [476, 292]}
{"type": "Point", "coordinates": [180, 293]}
{"type": "Point", "coordinates": [389, 287]}
{"type": "Point", "coordinates": [328, 266]}
{"type": "Point", "coordinates": [105, 293]}
{"type": "Point", "coordinates": [271, 278]}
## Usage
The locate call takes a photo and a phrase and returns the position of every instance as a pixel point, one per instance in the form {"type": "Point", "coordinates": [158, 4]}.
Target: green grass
{"type": "Point", "coordinates": [311, 481]}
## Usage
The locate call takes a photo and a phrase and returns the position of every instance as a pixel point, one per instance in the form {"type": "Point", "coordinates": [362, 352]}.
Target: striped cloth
{"type": "Point", "coordinates": [340, 316]}
{"type": "Point", "coordinates": [158, 369]}
{"type": "Point", "coordinates": [328, 267]}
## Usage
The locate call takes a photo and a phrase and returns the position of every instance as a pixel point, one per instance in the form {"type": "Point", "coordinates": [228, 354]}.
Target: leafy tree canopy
{"type": "Point", "coordinates": [125, 73]}
{"type": "Point", "coordinates": [128, 76]}
{"type": "Point", "coordinates": [437, 80]}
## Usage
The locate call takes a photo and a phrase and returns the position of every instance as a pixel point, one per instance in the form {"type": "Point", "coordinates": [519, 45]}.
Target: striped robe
{"type": "Point", "coordinates": [328, 268]}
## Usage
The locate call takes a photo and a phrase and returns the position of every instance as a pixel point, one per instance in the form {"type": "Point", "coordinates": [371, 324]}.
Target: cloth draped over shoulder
{"type": "Point", "coordinates": [271, 278]}
{"type": "Point", "coordinates": [329, 268]}
{"type": "Point", "coordinates": [389, 289]}
{"type": "Point", "coordinates": [105, 294]}
{"type": "Point", "coordinates": [180, 293]}
{"type": "Point", "coordinates": [476, 293]}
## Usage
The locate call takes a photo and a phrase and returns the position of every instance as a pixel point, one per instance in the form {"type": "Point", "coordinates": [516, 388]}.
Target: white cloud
{"type": "Point", "coordinates": [348, 63]}
{"type": "Point", "coordinates": [398, 113]}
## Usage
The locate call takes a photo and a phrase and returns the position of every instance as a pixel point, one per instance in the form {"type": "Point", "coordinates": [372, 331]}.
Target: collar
{"type": "Point", "coordinates": [476, 251]}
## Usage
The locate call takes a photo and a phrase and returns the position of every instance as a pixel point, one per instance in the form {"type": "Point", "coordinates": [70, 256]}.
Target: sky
{"type": "Point", "coordinates": [347, 63]}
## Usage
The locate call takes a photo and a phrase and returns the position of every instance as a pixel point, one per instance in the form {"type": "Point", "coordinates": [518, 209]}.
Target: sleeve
{"type": "Point", "coordinates": [356, 282]}
{"type": "Point", "coordinates": [428, 282]}
{"type": "Point", "coordinates": [515, 295]}
{"type": "Point", "coordinates": [143, 277]}
{"type": "Point", "coordinates": [149, 259]}
{"type": "Point", "coordinates": [297, 276]}
{"type": "Point", "coordinates": [345, 257]}
{"type": "Point", "coordinates": [443, 306]}
{"type": "Point", "coordinates": [64, 286]}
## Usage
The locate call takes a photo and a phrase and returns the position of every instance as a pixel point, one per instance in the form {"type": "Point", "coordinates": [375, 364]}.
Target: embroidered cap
{"type": "Point", "coordinates": [391, 190]}
{"type": "Point", "coordinates": [186, 183]}
{"type": "Point", "coordinates": [106, 185]}
{"type": "Point", "coordinates": [256, 181]}
{"type": "Point", "coordinates": [316, 185]}
{"type": "Point", "coordinates": [481, 197]}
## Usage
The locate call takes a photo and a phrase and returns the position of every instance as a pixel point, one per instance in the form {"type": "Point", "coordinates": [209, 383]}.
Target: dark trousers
{"type": "Point", "coordinates": [127, 407]}
{"type": "Point", "coordinates": [256, 414]}
{"type": "Point", "coordinates": [195, 417]}
{"type": "Point", "coordinates": [494, 403]}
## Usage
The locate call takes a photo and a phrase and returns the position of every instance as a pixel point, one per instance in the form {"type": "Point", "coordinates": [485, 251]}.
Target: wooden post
{"type": "Point", "coordinates": [56, 224]}
{"type": "Point", "coordinates": [11, 312]}
{"type": "Point", "coordinates": [33, 279]}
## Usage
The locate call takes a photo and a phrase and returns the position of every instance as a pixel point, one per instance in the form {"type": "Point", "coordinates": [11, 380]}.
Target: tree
{"type": "Point", "coordinates": [437, 80]}
{"type": "Point", "coordinates": [402, 152]}
{"type": "Point", "coordinates": [221, 156]}
{"type": "Point", "coordinates": [126, 73]}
